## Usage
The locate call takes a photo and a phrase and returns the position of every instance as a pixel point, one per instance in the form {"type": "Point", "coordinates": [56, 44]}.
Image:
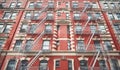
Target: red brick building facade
{"type": "Point", "coordinates": [59, 35]}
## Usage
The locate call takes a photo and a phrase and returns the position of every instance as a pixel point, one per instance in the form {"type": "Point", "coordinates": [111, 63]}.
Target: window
{"type": "Point", "coordinates": [18, 4]}
{"type": "Point", "coordinates": [87, 5]}
{"type": "Point", "coordinates": [113, 5]}
{"type": "Point", "coordinates": [80, 45]}
{"type": "Point", "coordinates": [11, 64]}
{"type": "Point", "coordinates": [28, 15]}
{"type": "Point", "coordinates": [50, 5]}
{"type": "Point", "coordinates": [57, 63]}
{"type": "Point", "coordinates": [105, 5]}
{"type": "Point", "coordinates": [118, 15]}
{"type": "Point", "coordinates": [18, 45]}
{"type": "Point", "coordinates": [67, 5]}
{"type": "Point", "coordinates": [67, 16]}
{"type": "Point", "coordinates": [75, 5]}
{"type": "Point", "coordinates": [1, 43]}
{"type": "Point", "coordinates": [59, 3]}
{"type": "Point", "coordinates": [94, 5]}
{"type": "Point", "coordinates": [7, 15]}
{"type": "Point", "coordinates": [49, 16]}
{"type": "Point", "coordinates": [29, 44]}
{"type": "Point", "coordinates": [97, 15]}
{"type": "Point", "coordinates": [7, 29]}
{"type": "Point", "coordinates": [108, 45]}
{"type": "Point", "coordinates": [68, 29]}
{"type": "Point", "coordinates": [93, 28]}
{"type": "Point", "coordinates": [58, 13]}
{"type": "Point", "coordinates": [69, 65]}
{"type": "Point", "coordinates": [23, 65]}
{"type": "Point", "coordinates": [102, 28]}
{"type": "Point", "coordinates": [46, 45]}
{"type": "Point", "coordinates": [12, 5]}
{"type": "Point", "coordinates": [43, 65]}
{"type": "Point", "coordinates": [115, 64]}
{"type": "Point", "coordinates": [24, 28]}
{"type": "Point", "coordinates": [36, 15]}
{"type": "Point", "coordinates": [13, 16]}
{"type": "Point", "coordinates": [83, 65]}
{"type": "Point", "coordinates": [31, 5]}
{"type": "Point", "coordinates": [97, 45]}
{"type": "Point", "coordinates": [69, 45]}
{"type": "Point", "coordinates": [2, 28]}
{"type": "Point", "coordinates": [38, 5]}
{"type": "Point", "coordinates": [33, 28]}
{"type": "Point", "coordinates": [117, 28]}
{"type": "Point", "coordinates": [78, 29]}
{"type": "Point", "coordinates": [102, 65]}
{"type": "Point", "coordinates": [111, 16]}
{"type": "Point", "coordinates": [89, 15]}
{"type": "Point", "coordinates": [76, 16]}
{"type": "Point", "coordinates": [48, 29]}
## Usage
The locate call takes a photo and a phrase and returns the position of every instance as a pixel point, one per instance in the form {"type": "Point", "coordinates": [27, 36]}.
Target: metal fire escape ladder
{"type": "Point", "coordinates": [86, 24]}
{"type": "Point", "coordinates": [40, 23]}
{"type": "Point", "coordinates": [38, 54]}
{"type": "Point", "coordinates": [84, 10]}
{"type": "Point", "coordinates": [90, 40]}
{"type": "Point", "coordinates": [98, 53]}
{"type": "Point", "coordinates": [43, 9]}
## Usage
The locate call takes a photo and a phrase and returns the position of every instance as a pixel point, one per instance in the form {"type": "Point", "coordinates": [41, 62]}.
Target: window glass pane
{"type": "Point", "coordinates": [11, 65]}
{"type": "Point", "coordinates": [46, 45]}
{"type": "Point", "coordinates": [105, 5]}
{"type": "Point", "coordinates": [31, 5]}
{"type": "Point", "coordinates": [32, 28]}
{"type": "Point", "coordinates": [80, 45]}
{"type": "Point", "coordinates": [95, 5]}
{"type": "Point", "coordinates": [13, 16]}
{"type": "Point", "coordinates": [7, 29]}
{"type": "Point", "coordinates": [69, 65]}
{"type": "Point", "coordinates": [118, 16]}
{"type": "Point", "coordinates": [27, 15]}
{"type": "Point", "coordinates": [102, 65]}
{"type": "Point", "coordinates": [115, 64]}
{"type": "Point", "coordinates": [18, 45]}
{"type": "Point", "coordinates": [102, 28]}
{"type": "Point", "coordinates": [12, 5]}
{"type": "Point", "coordinates": [23, 65]}
{"type": "Point", "coordinates": [57, 63]}
{"type": "Point", "coordinates": [18, 4]}
{"type": "Point", "coordinates": [112, 5]}
{"type": "Point", "coordinates": [93, 28]}
{"type": "Point", "coordinates": [108, 45]}
{"type": "Point", "coordinates": [83, 65]}
{"type": "Point", "coordinates": [29, 44]}
{"type": "Point", "coordinates": [110, 15]}
{"type": "Point", "coordinates": [117, 28]}
{"type": "Point", "coordinates": [75, 5]}
{"type": "Point", "coordinates": [1, 28]}
{"type": "Point", "coordinates": [43, 65]}
{"type": "Point", "coordinates": [97, 45]}
{"type": "Point", "coordinates": [1, 42]}
{"type": "Point", "coordinates": [24, 28]}
{"type": "Point", "coordinates": [6, 15]}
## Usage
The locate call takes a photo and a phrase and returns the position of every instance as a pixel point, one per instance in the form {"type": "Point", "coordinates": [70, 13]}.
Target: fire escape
{"type": "Point", "coordinates": [48, 17]}
{"type": "Point", "coordinates": [96, 32]}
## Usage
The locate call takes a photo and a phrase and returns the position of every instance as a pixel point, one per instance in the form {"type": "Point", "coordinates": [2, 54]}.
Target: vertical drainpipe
{"type": "Point", "coordinates": [13, 35]}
